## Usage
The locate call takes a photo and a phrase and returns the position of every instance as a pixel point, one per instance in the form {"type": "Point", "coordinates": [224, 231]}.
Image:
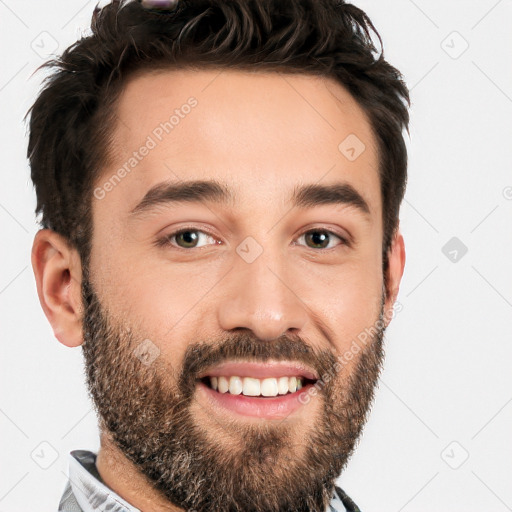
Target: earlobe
{"type": "Point", "coordinates": [395, 270]}
{"type": "Point", "coordinates": [57, 270]}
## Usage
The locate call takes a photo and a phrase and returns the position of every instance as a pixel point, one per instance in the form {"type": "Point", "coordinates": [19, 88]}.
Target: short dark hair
{"type": "Point", "coordinates": [72, 120]}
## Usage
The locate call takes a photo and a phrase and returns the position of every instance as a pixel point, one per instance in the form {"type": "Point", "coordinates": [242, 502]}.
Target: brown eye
{"type": "Point", "coordinates": [321, 239]}
{"type": "Point", "coordinates": [188, 239]}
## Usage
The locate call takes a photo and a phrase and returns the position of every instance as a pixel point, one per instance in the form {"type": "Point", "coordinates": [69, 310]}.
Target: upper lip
{"type": "Point", "coordinates": [260, 370]}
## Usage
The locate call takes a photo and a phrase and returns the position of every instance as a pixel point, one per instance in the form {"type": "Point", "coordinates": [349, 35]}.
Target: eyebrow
{"type": "Point", "coordinates": [185, 191]}
{"type": "Point", "coordinates": [338, 193]}
{"type": "Point", "coordinates": [305, 196]}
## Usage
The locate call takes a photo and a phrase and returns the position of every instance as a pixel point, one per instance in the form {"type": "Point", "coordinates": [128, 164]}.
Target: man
{"type": "Point", "coordinates": [219, 184]}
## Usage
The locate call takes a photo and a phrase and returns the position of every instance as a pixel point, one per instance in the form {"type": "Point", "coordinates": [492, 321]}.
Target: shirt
{"type": "Point", "coordinates": [86, 492]}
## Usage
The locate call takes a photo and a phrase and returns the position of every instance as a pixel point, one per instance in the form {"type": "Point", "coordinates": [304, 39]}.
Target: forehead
{"type": "Point", "coordinates": [259, 132]}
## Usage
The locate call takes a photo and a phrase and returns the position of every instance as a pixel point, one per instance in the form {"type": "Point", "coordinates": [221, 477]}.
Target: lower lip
{"type": "Point", "coordinates": [278, 407]}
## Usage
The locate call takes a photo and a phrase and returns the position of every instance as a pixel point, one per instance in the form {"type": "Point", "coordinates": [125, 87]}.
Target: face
{"type": "Point", "coordinates": [236, 264]}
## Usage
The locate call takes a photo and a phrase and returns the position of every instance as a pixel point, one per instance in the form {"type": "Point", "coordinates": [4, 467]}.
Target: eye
{"type": "Point", "coordinates": [322, 239]}
{"type": "Point", "coordinates": [188, 239]}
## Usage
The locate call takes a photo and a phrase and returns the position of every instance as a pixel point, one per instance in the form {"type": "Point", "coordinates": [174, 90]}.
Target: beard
{"type": "Point", "coordinates": [264, 466]}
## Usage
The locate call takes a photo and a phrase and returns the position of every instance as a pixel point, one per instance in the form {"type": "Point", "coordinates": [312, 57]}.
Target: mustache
{"type": "Point", "coordinates": [244, 346]}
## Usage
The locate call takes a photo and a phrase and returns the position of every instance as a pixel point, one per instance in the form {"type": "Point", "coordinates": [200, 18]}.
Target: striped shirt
{"type": "Point", "coordinates": [85, 491]}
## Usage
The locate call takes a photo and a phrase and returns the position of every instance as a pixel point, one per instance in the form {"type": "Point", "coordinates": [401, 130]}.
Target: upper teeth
{"type": "Point", "coordinates": [255, 387]}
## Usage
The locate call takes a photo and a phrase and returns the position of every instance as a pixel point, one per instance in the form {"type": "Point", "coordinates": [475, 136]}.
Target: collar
{"type": "Point", "coordinates": [90, 493]}
{"type": "Point", "coordinates": [85, 491]}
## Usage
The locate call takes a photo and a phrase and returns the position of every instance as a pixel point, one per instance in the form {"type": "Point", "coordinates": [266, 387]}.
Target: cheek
{"type": "Point", "coordinates": [346, 299]}
{"type": "Point", "coordinates": [162, 301]}
{"type": "Point", "coordinates": [171, 293]}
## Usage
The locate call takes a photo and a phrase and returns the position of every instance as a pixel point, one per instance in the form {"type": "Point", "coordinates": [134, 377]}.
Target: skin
{"type": "Point", "coordinates": [261, 134]}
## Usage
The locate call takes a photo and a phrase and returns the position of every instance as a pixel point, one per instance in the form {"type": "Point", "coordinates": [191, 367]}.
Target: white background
{"type": "Point", "coordinates": [446, 392]}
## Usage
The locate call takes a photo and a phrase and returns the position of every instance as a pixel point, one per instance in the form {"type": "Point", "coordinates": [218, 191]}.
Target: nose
{"type": "Point", "coordinates": [260, 296]}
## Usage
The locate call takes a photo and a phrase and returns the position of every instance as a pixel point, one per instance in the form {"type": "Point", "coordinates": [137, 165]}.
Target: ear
{"type": "Point", "coordinates": [395, 270]}
{"type": "Point", "coordinates": [58, 272]}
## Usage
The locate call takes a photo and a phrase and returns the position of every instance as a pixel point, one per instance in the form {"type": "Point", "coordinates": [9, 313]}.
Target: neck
{"type": "Point", "coordinates": [119, 474]}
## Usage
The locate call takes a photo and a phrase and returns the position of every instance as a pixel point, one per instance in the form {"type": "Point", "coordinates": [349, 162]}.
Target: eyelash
{"type": "Point", "coordinates": [167, 240]}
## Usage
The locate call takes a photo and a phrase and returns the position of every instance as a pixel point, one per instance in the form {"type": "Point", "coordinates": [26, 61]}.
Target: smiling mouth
{"type": "Point", "coordinates": [254, 387]}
